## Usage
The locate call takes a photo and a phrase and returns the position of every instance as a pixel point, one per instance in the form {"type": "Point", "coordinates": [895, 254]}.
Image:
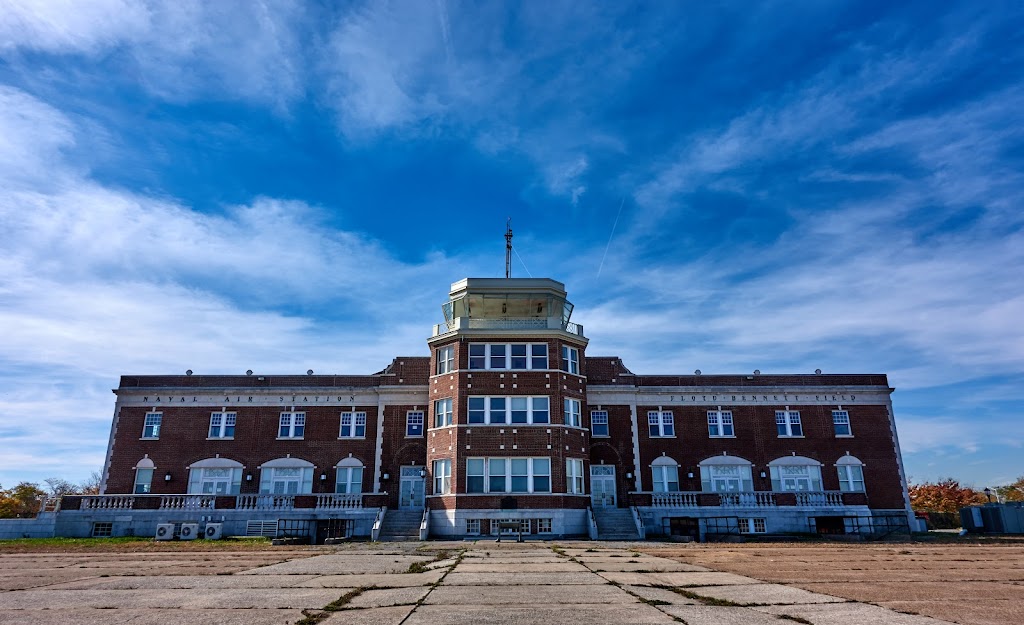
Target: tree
{"type": "Point", "coordinates": [91, 486]}
{"type": "Point", "coordinates": [946, 495]}
{"type": "Point", "coordinates": [1013, 491]}
{"type": "Point", "coordinates": [58, 487]}
{"type": "Point", "coordinates": [21, 501]}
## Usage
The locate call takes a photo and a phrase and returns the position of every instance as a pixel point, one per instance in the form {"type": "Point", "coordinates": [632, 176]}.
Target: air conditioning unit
{"type": "Point", "coordinates": [164, 531]}
{"type": "Point", "coordinates": [213, 531]}
{"type": "Point", "coordinates": [189, 531]}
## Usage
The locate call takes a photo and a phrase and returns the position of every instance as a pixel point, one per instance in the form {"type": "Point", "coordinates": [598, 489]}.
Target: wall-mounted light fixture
{"type": "Point", "coordinates": [629, 476]}
{"type": "Point", "coordinates": [386, 476]}
{"type": "Point", "coordinates": [323, 476]}
{"type": "Point", "coordinates": [248, 477]}
{"type": "Point", "coordinates": [690, 475]}
{"type": "Point", "coordinates": [423, 473]}
{"type": "Point", "coordinates": [763, 475]}
{"type": "Point", "coordinates": [167, 476]}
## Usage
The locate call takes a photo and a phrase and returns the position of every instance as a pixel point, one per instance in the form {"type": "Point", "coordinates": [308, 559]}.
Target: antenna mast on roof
{"type": "Point", "coordinates": [508, 248]}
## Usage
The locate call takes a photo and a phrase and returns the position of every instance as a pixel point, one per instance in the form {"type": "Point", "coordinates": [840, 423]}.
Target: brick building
{"type": "Point", "coordinates": [508, 425]}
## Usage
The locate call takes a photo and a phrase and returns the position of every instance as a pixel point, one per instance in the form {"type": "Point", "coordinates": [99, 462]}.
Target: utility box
{"type": "Point", "coordinates": [164, 531]}
{"type": "Point", "coordinates": [213, 531]}
{"type": "Point", "coordinates": [189, 531]}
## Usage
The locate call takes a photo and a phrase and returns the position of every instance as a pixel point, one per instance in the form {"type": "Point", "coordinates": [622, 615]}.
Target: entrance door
{"type": "Point", "coordinates": [602, 485]}
{"type": "Point", "coordinates": [410, 492]}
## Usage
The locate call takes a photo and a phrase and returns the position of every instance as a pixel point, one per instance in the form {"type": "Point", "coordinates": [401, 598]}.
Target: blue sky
{"type": "Point", "coordinates": [724, 186]}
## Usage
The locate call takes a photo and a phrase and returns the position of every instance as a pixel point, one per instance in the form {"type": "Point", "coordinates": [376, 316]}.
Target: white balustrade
{"type": "Point", "coordinates": [339, 502]}
{"type": "Point", "coordinates": [674, 500]}
{"type": "Point", "coordinates": [186, 502]}
{"type": "Point", "coordinates": [265, 502]}
{"type": "Point", "coordinates": [748, 499]}
{"type": "Point", "coordinates": [108, 502]}
{"type": "Point", "coordinates": [819, 499]}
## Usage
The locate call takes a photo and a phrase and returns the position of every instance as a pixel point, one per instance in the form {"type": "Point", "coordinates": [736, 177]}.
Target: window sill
{"type": "Point", "coordinates": [149, 438]}
{"type": "Point", "coordinates": [721, 436]}
{"type": "Point", "coordinates": [844, 435]}
{"type": "Point", "coordinates": [662, 436]}
{"type": "Point", "coordinates": [351, 438]}
{"type": "Point", "coordinates": [788, 436]}
{"type": "Point", "coordinates": [414, 435]}
{"type": "Point", "coordinates": [220, 438]}
{"type": "Point", "coordinates": [600, 436]}
{"type": "Point", "coordinates": [291, 438]}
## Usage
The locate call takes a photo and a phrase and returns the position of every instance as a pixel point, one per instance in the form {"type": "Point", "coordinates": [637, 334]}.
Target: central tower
{"type": "Point", "coordinates": [507, 434]}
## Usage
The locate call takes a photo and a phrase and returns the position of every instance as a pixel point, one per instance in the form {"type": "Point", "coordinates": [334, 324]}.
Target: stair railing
{"type": "Point", "coordinates": [425, 524]}
{"type": "Point", "coordinates": [640, 529]}
{"type": "Point", "coordinates": [591, 524]}
{"type": "Point", "coordinates": [377, 523]}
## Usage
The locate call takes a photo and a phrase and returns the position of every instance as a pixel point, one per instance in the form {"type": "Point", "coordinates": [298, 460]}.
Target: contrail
{"type": "Point", "coordinates": [601, 266]}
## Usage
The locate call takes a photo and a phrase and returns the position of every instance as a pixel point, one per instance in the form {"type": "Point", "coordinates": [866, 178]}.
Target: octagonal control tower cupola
{"type": "Point", "coordinates": [516, 304]}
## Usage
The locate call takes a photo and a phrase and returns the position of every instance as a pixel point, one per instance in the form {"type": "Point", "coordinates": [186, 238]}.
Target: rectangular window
{"type": "Point", "coordinates": [599, 423]}
{"type": "Point", "coordinates": [292, 425]}
{"type": "Point", "coordinates": [222, 425]}
{"type": "Point", "coordinates": [720, 424]}
{"type": "Point", "coordinates": [151, 427]}
{"type": "Point", "coordinates": [666, 478]}
{"type": "Point", "coordinates": [475, 475]}
{"type": "Point", "coordinates": [514, 410]}
{"type": "Point", "coordinates": [787, 423]}
{"type": "Point", "coordinates": [143, 481]}
{"type": "Point", "coordinates": [446, 359]}
{"type": "Point", "coordinates": [350, 480]}
{"type": "Point", "coordinates": [574, 476]}
{"type": "Point", "coordinates": [517, 356]}
{"type": "Point", "coordinates": [442, 412]}
{"type": "Point", "coordinates": [851, 478]}
{"type": "Point", "coordinates": [102, 529]}
{"type": "Point", "coordinates": [414, 423]}
{"type": "Point", "coordinates": [570, 360]}
{"type": "Point", "coordinates": [353, 425]}
{"type": "Point", "coordinates": [752, 526]}
{"type": "Point", "coordinates": [660, 424]}
{"type": "Point", "coordinates": [508, 475]}
{"type": "Point", "coordinates": [442, 477]}
{"type": "Point", "coordinates": [472, 527]}
{"type": "Point", "coordinates": [543, 526]}
{"type": "Point", "coordinates": [841, 422]}
{"type": "Point", "coordinates": [572, 412]}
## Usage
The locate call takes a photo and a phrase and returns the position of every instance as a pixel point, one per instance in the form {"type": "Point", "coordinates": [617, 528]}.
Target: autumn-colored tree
{"type": "Point", "coordinates": [1013, 491]}
{"type": "Point", "coordinates": [946, 495]}
{"type": "Point", "coordinates": [21, 501]}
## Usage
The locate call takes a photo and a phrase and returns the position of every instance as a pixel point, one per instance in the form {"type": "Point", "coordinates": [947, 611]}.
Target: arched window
{"type": "Point", "coordinates": [286, 476]}
{"type": "Point", "coordinates": [215, 476]}
{"type": "Point", "coordinates": [851, 474]}
{"type": "Point", "coordinates": [144, 476]}
{"type": "Point", "coordinates": [725, 474]}
{"type": "Point", "coordinates": [795, 473]}
{"type": "Point", "coordinates": [665, 472]}
{"type": "Point", "coordinates": [350, 476]}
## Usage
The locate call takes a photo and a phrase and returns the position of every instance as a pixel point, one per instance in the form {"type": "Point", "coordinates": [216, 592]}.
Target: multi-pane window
{"type": "Point", "coordinates": [660, 423]}
{"type": "Point", "coordinates": [851, 478]}
{"type": "Point", "coordinates": [222, 425]}
{"type": "Point", "coordinates": [353, 425]}
{"type": "Point", "coordinates": [599, 423]}
{"type": "Point", "coordinates": [720, 423]}
{"type": "Point", "coordinates": [103, 529]}
{"type": "Point", "coordinates": [508, 475]}
{"type": "Point", "coordinates": [796, 477]}
{"type": "Point", "coordinates": [841, 422]}
{"type": "Point", "coordinates": [349, 480]}
{"type": "Point", "coordinates": [151, 426]}
{"type": "Point", "coordinates": [516, 356]}
{"type": "Point", "coordinates": [286, 480]}
{"type": "Point", "coordinates": [414, 423]}
{"type": "Point", "coordinates": [571, 408]}
{"type": "Point", "coordinates": [570, 359]}
{"type": "Point", "coordinates": [752, 526]}
{"type": "Point", "coordinates": [143, 481]}
{"type": "Point", "coordinates": [543, 526]}
{"type": "Point", "coordinates": [446, 359]}
{"type": "Point", "coordinates": [666, 478]}
{"type": "Point", "coordinates": [508, 410]}
{"type": "Point", "coordinates": [787, 423]}
{"type": "Point", "coordinates": [442, 477]}
{"type": "Point", "coordinates": [442, 412]}
{"type": "Point", "coordinates": [574, 476]}
{"type": "Point", "coordinates": [726, 478]}
{"type": "Point", "coordinates": [214, 481]}
{"type": "Point", "coordinates": [292, 425]}
{"type": "Point", "coordinates": [472, 527]}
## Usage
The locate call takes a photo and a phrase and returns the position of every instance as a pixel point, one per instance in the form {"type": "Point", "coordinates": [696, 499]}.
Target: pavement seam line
{"type": "Point", "coordinates": [458, 560]}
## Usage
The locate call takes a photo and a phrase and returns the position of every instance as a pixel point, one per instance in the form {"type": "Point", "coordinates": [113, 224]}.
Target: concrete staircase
{"type": "Point", "coordinates": [615, 524]}
{"type": "Point", "coordinates": [401, 525]}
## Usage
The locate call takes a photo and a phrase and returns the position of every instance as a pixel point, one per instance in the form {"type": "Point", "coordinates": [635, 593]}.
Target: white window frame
{"type": "Point", "coordinates": [442, 477]}
{"type": "Point", "coordinates": [851, 475]}
{"type": "Point", "coordinates": [215, 471]}
{"type": "Point", "coordinates": [788, 424]}
{"type": "Point", "coordinates": [443, 412]}
{"type": "Point", "coordinates": [445, 359]}
{"type": "Point", "coordinates": [348, 478]}
{"type": "Point", "coordinates": [571, 360]}
{"type": "Point", "coordinates": [295, 422]}
{"type": "Point", "coordinates": [356, 423]}
{"type": "Point", "coordinates": [720, 424]}
{"type": "Point", "coordinates": [141, 475]}
{"type": "Point", "coordinates": [599, 418]}
{"type": "Point", "coordinates": [535, 467]}
{"type": "Point", "coordinates": [804, 474]}
{"type": "Point", "coordinates": [841, 419]}
{"type": "Point", "coordinates": [286, 471]}
{"type": "Point", "coordinates": [544, 526]}
{"type": "Point", "coordinates": [661, 424]}
{"type": "Point", "coordinates": [151, 425]}
{"type": "Point", "coordinates": [489, 358]}
{"type": "Point", "coordinates": [221, 423]}
{"type": "Point", "coordinates": [415, 418]}
{"type": "Point", "coordinates": [491, 416]}
{"type": "Point", "coordinates": [752, 526]}
{"type": "Point", "coordinates": [574, 483]}
{"type": "Point", "coordinates": [665, 475]}
{"type": "Point", "coordinates": [472, 527]}
{"type": "Point", "coordinates": [572, 409]}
